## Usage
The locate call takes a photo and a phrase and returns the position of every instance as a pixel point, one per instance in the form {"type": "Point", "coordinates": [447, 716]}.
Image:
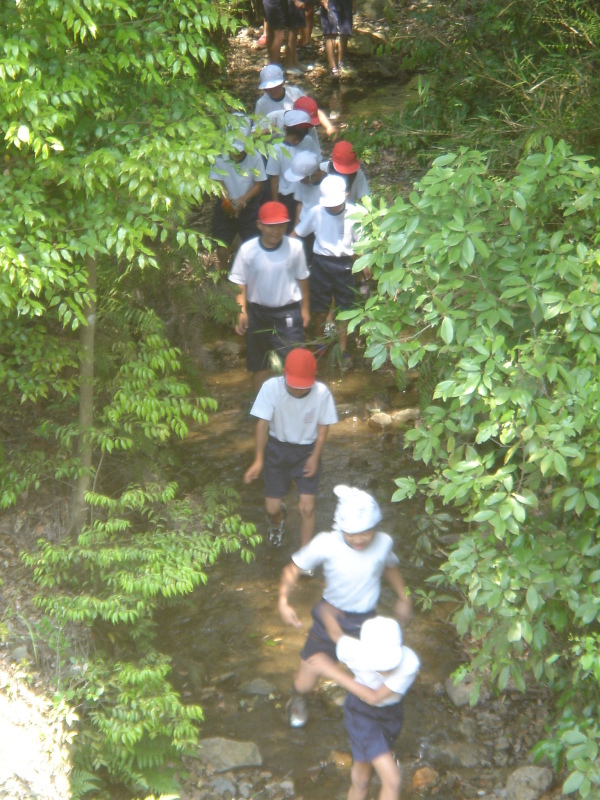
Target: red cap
{"type": "Point", "coordinates": [300, 369]}
{"type": "Point", "coordinates": [273, 213]}
{"type": "Point", "coordinates": [309, 105]}
{"type": "Point", "coordinates": [344, 158]}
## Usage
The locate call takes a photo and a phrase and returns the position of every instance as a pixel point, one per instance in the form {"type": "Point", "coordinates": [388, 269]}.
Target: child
{"type": "Point", "coordinates": [354, 557]}
{"type": "Point", "coordinates": [296, 125]}
{"type": "Point", "coordinates": [345, 163]}
{"type": "Point", "coordinates": [294, 414]}
{"type": "Point", "coordinates": [336, 23]}
{"type": "Point", "coordinates": [242, 177]}
{"type": "Point", "coordinates": [273, 278]}
{"type": "Point", "coordinates": [383, 671]}
{"type": "Point", "coordinates": [305, 176]}
{"type": "Point", "coordinates": [333, 255]}
{"type": "Point", "coordinates": [276, 97]}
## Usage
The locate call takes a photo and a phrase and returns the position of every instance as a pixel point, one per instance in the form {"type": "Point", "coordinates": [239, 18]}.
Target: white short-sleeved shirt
{"type": "Point", "coordinates": [308, 194]}
{"type": "Point", "coordinates": [265, 105]}
{"type": "Point", "coordinates": [335, 234]}
{"type": "Point", "coordinates": [278, 163]}
{"type": "Point", "coordinates": [294, 419]}
{"type": "Point", "coordinates": [270, 276]}
{"type": "Point", "coordinates": [239, 177]}
{"type": "Point", "coordinates": [352, 577]}
{"type": "Point", "coordinates": [275, 119]}
{"type": "Point", "coordinates": [360, 184]}
{"type": "Point", "coordinates": [350, 651]}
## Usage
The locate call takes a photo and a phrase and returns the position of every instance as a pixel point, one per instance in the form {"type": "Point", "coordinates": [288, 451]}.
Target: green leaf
{"type": "Point", "coordinates": [447, 330]}
{"type": "Point", "coordinates": [573, 782]}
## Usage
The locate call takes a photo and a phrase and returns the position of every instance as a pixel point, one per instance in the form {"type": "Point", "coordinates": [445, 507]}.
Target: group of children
{"type": "Point", "coordinates": [293, 215]}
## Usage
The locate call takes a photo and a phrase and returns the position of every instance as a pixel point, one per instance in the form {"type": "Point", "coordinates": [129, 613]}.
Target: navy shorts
{"type": "Point", "coordinates": [329, 276]}
{"type": "Point", "coordinates": [318, 640]}
{"type": "Point", "coordinates": [225, 227]}
{"type": "Point", "coordinates": [284, 462]}
{"type": "Point", "coordinates": [296, 17]}
{"type": "Point", "coordinates": [271, 329]}
{"type": "Point", "coordinates": [338, 20]}
{"type": "Point", "coordinates": [276, 13]}
{"type": "Point", "coordinates": [373, 730]}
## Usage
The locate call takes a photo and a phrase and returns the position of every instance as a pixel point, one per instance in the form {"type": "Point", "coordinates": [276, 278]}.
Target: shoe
{"type": "Point", "coordinates": [275, 532]}
{"type": "Point", "coordinates": [295, 70]}
{"type": "Point", "coordinates": [329, 330]}
{"type": "Point", "coordinates": [335, 74]}
{"type": "Point", "coordinates": [307, 573]}
{"type": "Point", "coordinates": [297, 711]}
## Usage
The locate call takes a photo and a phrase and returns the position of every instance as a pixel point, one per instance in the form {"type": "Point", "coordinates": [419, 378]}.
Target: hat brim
{"type": "Point", "coordinates": [291, 176]}
{"type": "Point", "coordinates": [345, 169]}
{"type": "Point", "coordinates": [270, 84]}
{"type": "Point", "coordinates": [333, 201]}
{"type": "Point", "coordinates": [296, 382]}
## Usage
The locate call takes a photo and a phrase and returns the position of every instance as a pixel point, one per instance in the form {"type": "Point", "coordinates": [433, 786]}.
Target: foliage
{"type": "Point", "coordinates": [143, 550]}
{"type": "Point", "coordinates": [496, 281]}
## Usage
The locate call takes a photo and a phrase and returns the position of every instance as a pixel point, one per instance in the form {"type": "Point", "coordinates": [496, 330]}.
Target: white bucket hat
{"type": "Point", "coordinates": [305, 163]}
{"type": "Point", "coordinates": [240, 125]}
{"type": "Point", "coordinates": [295, 117]}
{"type": "Point", "coordinates": [381, 644]}
{"type": "Point", "coordinates": [356, 510]}
{"type": "Point", "coordinates": [270, 76]}
{"type": "Point", "coordinates": [333, 191]}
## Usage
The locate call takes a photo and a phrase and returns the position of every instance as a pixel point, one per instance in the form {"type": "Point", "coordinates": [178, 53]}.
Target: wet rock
{"type": "Point", "coordinates": [502, 743]}
{"type": "Point", "coordinates": [460, 692]}
{"type": "Point", "coordinates": [458, 754]}
{"type": "Point", "coordinates": [224, 787]}
{"type": "Point", "coordinates": [468, 728]}
{"type": "Point", "coordinates": [223, 754]}
{"type": "Point", "coordinates": [288, 787]}
{"type": "Point", "coordinates": [404, 416]}
{"type": "Point", "coordinates": [528, 783]}
{"type": "Point", "coordinates": [340, 759]}
{"type": "Point", "coordinates": [245, 790]}
{"type": "Point", "coordinates": [380, 421]}
{"type": "Point", "coordinates": [424, 778]}
{"type": "Point", "coordinates": [259, 686]}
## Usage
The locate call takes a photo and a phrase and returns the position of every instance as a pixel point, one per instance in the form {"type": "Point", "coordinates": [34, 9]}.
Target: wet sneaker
{"type": "Point", "coordinates": [295, 70]}
{"type": "Point", "coordinates": [335, 74]}
{"type": "Point", "coordinates": [329, 330]}
{"type": "Point", "coordinates": [297, 711]}
{"type": "Point", "coordinates": [275, 532]}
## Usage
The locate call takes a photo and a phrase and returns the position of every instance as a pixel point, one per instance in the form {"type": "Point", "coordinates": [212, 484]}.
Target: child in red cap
{"type": "Point", "coordinates": [345, 163]}
{"type": "Point", "coordinates": [294, 414]}
{"type": "Point", "coordinates": [272, 275]}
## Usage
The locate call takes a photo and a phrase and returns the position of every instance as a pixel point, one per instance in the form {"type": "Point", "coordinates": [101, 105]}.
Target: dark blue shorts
{"type": "Point", "coordinates": [318, 640]}
{"type": "Point", "coordinates": [276, 14]}
{"type": "Point", "coordinates": [373, 730]}
{"type": "Point", "coordinates": [271, 329]}
{"type": "Point", "coordinates": [284, 462]}
{"type": "Point", "coordinates": [296, 17]}
{"type": "Point", "coordinates": [338, 20]}
{"type": "Point", "coordinates": [331, 276]}
{"type": "Point", "coordinates": [225, 228]}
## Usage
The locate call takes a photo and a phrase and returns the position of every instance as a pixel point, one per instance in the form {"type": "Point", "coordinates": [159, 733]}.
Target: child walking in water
{"type": "Point", "coordinates": [383, 671]}
{"type": "Point", "coordinates": [354, 556]}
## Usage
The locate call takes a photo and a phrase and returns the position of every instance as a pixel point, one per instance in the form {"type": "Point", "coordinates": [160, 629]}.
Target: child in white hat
{"type": "Point", "coordinates": [383, 670]}
{"type": "Point", "coordinates": [354, 556]}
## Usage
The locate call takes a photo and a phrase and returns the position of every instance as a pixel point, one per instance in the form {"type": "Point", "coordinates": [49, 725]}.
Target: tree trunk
{"type": "Point", "coordinates": [86, 405]}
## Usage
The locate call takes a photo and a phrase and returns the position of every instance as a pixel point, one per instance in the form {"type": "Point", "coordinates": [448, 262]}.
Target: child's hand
{"type": "Point", "coordinates": [288, 615]}
{"type": "Point", "coordinates": [403, 609]}
{"type": "Point", "coordinates": [253, 471]}
{"type": "Point", "coordinates": [311, 465]}
{"type": "Point", "coordinates": [242, 324]}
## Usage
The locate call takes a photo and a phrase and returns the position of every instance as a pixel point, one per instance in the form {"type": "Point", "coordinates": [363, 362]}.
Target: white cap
{"type": "Point", "coordinates": [381, 640]}
{"type": "Point", "coordinates": [270, 76]}
{"type": "Point", "coordinates": [333, 192]}
{"type": "Point", "coordinates": [356, 510]}
{"type": "Point", "coordinates": [239, 124]}
{"type": "Point", "coordinates": [305, 163]}
{"type": "Point", "coordinates": [295, 117]}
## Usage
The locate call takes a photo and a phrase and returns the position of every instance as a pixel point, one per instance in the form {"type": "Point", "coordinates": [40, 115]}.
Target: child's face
{"type": "Point", "coordinates": [275, 92]}
{"type": "Point", "coordinates": [271, 235]}
{"type": "Point", "coordinates": [296, 392]}
{"type": "Point", "coordinates": [359, 541]}
{"type": "Point", "coordinates": [335, 209]}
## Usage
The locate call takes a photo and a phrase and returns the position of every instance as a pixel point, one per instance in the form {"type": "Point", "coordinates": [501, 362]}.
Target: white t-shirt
{"type": "Point", "coordinates": [275, 119]}
{"type": "Point", "coordinates": [335, 234]}
{"type": "Point", "coordinates": [278, 163]}
{"type": "Point", "coordinates": [360, 184]}
{"type": "Point", "coordinates": [352, 577]}
{"type": "Point", "coordinates": [270, 276]}
{"type": "Point", "coordinates": [264, 104]}
{"type": "Point", "coordinates": [308, 194]}
{"type": "Point", "coordinates": [239, 177]}
{"type": "Point", "coordinates": [350, 651]}
{"type": "Point", "coordinates": [294, 419]}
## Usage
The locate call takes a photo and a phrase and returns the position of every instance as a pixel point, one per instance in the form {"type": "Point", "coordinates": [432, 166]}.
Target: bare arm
{"type": "Point", "coordinates": [289, 578]}
{"type": "Point", "coordinates": [324, 666]}
{"type": "Point", "coordinates": [330, 129]}
{"type": "Point", "coordinates": [274, 180]}
{"type": "Point", "coordinates": [262, 436]}
{"type": "Point", "coordinates": [305, 306]}
{"type": "Point", "coordinates": [242, 323]}
{"type": "Point", "coordinates": [253, 192]}
{"type": "Point", "coordinates": [403, 607]}
{"type": "Point", "coordinates": [312, 462]}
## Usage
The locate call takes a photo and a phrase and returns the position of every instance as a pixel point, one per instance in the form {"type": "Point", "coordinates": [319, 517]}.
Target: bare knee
{"type": "Point", "coordinates": [306, 505]}
{"type": "Point", "coordinates": [361, 778]}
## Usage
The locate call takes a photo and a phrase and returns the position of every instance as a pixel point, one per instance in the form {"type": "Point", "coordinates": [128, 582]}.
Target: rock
{"type": "Point", "coordinates": [341, 760]}
{"type": "Point", "coordinates": [245, 789]}
{"type": "Point", "coordinates": [458, 754]}
{"type": "Point", "coordinates": [460, 692]}
{"type": "Point", "coordinates": [259, 686]}
{"type": "Point", "coordinates": [404, 415]}
{"type": "Point", "coordinates": [361, 44]}
{"type": "Point", "coordinates": [424, 778]}
{"type": "Point", "coordinates": [528, 783]}
{"type": "Point", "coordinates": [224, 754]}
{"type": "Point", "coordinates": [223, 787]}
{"type": "Point", "coordinates": [380, 421]}
{"type": "Point", "coordinates": [376, 9]}
{"type": "Point", "coordinates": [20, 653]}
{"type": "Point", "coordinates": [288, 787]}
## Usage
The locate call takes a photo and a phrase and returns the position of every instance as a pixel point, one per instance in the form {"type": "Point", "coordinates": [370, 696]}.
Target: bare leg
{"type": "Point", "coordinates": [390, 776]}
{"type": "Point", "coordinates": [319, 322]}
{"type": "Point", "coordinates": [306, 506]}
{"type": "Point", "coordinates": [343, 335]}
{"type": "Point", "coordinates": [275, 39]}
{"type": "Point", "coordinates": [273, 509]}
{"type": "Point", "coordinates": [343, 45]}
{"type": "Point", "coordinates": [258, 378]}
{"type": "Point", "coordinates": [361, 777]}
{"type": "Point", "coordinates": [305, 679]}
{"type": "Point", "coordinates": [330, 51]}
{"type": "Point", "coordinates": [291, 57]}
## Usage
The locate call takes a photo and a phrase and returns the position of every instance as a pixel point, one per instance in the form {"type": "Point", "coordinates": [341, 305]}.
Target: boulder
{"type": "Point", "coordinates": [223, 754]}
{"type": "Point", "coordinates": [380, 421]}
{"type": "Point", "coordinates": [424, 778]}
{"type": "Point", "coordinates": [528, 783]}
{"type": "Point", "coordinates": [259, 686]}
